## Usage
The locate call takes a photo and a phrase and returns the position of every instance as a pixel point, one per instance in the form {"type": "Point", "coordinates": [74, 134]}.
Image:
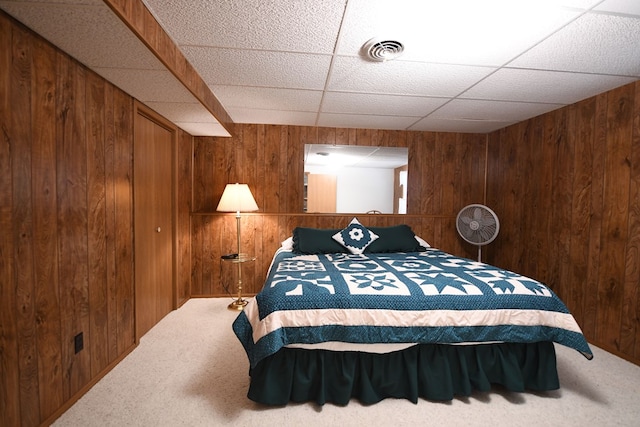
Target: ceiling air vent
{"type": "Point", "coordinates": [381, 50]}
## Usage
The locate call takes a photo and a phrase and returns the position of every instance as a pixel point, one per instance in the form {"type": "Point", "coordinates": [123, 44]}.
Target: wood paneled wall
{"type": "Point", "coordinates": [446, 172]}
{"type": "Point", "coordinates": [66, 230]}
{"type": "Point", "coordinates": [66, 209]}
{"type": "Point", "coordinates": [566, 186]}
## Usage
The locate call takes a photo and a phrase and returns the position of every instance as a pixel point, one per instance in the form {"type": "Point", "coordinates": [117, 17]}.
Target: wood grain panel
{"type": "Point", "coordinates": [66, 216]}
{"type": "Point", "coordinates": [71, 167]}
{"type": "Point", "coordinates": [96, 225]}
{"type": "Point", "coordinates": [155, 151]}
{"type": "Point", "coordinates": [273, 161]}
{"type": "Point", "coordinates": [419, 182]}
{"type": "Point", "coordinates": [9, 355]}
{"type": "Point", "coordinates": [147, 287]}
{"type": "Point", "coordinates": [543, 229]}
{"type": "Point", "coordinates": [576, 168]}
{"type": "Point", "coordinates": [581, 204]}
{"type": "Point", "coordinates": [43, 182]}
{"type": "Point", "coordinates": [629, 329]}
{"type": "Point", "coordinates": [123, 174]}
{"type": "Point", "coordinates": [23, 232]}
{"type": "Point", "coordinates": [507, 202]}
{"type": "Point", "coordinates": [272, 155]}
{"type": "Point", "coordinates": [614, 225]}
{"type": "Point", "coordinates": [562, 178]}
{"type": "Point", "coordinates": [183, 229]}
{"type": "Point", "coordinates": [495, 184]}
{"type": "Point", "coordinates": [110, 286]}
{"type": "Point", "coordinates": [596, 216]}
{"type": "Point", "coordinates": [278, 147]}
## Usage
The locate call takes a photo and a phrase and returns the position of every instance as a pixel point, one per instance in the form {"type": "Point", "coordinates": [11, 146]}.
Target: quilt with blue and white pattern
{"type": "Point", "coordinates": [418, 297]}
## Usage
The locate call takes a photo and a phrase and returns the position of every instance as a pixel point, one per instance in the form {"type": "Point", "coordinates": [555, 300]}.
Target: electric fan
{"type": "Point", "coordinates": [478, 225]}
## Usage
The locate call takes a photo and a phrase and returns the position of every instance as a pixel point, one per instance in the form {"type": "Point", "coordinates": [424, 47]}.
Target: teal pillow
{"type": "Point", "coordinates": [316, 241]}
{"type": "Point", "coordinates": [355, 237]}
{"type": "Point", "coordinates": [398, 238]}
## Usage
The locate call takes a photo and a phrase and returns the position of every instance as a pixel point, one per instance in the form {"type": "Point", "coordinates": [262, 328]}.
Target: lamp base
{"type": "Point", "coordinates": [238, 305]}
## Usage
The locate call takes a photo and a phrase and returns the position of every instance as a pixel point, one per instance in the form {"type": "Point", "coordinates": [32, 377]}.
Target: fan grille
{"type": "Point", "coordinates": [382, 50]}
{"type": "Point", "coordinates": [477, 224]}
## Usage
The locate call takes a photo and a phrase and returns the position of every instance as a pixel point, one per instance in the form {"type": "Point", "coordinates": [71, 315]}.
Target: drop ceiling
{"type": "Point", "coordinates": [467, 66]}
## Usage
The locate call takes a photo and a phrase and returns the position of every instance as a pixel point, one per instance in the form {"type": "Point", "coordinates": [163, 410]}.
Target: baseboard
{"type": "Point", "coordinates": [616, 352]}
{"type": "Point", "coordinates": [73, 399]}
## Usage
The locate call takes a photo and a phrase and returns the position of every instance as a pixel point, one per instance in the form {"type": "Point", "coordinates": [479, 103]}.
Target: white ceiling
{"type": "Point", "coordinates": [468, 65]}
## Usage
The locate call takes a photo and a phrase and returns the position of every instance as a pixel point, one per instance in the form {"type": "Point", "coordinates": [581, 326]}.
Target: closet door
{"type": "Point", "coordinates": [153, 220]}
{"type": "Point", "coordinates": [321, 193]}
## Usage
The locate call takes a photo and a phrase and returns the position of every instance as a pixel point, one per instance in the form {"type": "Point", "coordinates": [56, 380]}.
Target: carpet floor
{"type": "Point", "coordinates": [190, 370]}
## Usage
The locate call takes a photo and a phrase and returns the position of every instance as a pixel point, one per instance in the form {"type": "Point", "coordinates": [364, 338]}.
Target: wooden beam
{"type": "Point", "coordinates": [139, 19]}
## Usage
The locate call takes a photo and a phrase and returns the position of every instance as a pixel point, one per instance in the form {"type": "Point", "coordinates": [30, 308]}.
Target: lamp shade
{"type": "Point", "coordinates": [237, 198]}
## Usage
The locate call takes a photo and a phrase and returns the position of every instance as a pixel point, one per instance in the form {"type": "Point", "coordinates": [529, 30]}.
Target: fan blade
{"type": "Point", "coordinates": [469, 233]}
{"type": "Point", "coordinates": [487, 233]}
{"type": "Point", "coordinates": [489, 220]}
{"type": "Point", "coordinates": [477, 214]}
{"type": "Point", "coordinates": [465, 219]}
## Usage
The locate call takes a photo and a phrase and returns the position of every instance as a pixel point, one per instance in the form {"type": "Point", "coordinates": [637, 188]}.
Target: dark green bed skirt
{"type": "Point", "coordinates": [430, 371]}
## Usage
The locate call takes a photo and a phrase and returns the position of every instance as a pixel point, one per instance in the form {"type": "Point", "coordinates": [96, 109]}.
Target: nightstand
{"type": "Point", "coordinates": [239, 259]}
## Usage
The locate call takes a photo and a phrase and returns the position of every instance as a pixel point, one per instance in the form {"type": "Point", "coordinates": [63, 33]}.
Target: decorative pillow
{"type": "Point", "coordinates": [316, 241]}
{"type": "Point", "coordinates": [355, 237]}
{"type": "Point", "coordinates": [398, 238]}
{"type": "Point", "coordinates": [423, 242]}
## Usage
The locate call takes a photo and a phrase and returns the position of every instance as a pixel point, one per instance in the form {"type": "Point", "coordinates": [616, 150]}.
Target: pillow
{"type": "Point", "coordinates": [423, 242]}
{"type": "Point", "coordinates": [355, 237]}
{"type": "Point", "coordinates": [398, 238]}
{"type": "Point", "coordinates": [287, 244]}
{"type": "Point", "coordinates": [315, 241]}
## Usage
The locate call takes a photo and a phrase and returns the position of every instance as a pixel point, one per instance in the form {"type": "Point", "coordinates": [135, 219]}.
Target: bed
{"type": "Point", "coordinates": [374, 313]}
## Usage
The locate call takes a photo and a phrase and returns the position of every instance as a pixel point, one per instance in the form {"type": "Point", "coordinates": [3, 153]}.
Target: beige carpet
{"type": "Point", "coordinates": [190, 370]}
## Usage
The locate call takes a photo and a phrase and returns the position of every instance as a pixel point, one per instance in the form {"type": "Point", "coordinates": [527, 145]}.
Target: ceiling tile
{"type": "Point", "coordinates": [628, 7]}
{"type": "Point", "coordinates": [454, 32]}
{"type": "Point", "coordinates": [299, 63]}
{"type": "Point", "coordinates": [388, 105]}
{"type": "Point", "coordinates": [587, 46]}
{"type": "Point", "coordinates": [268, 98]}
{"type": "Point", "coordinates": [510, 84]}
{"type": "Point", "coordinates": [274, 117]}
{"type": "Point", "coordinates": [259, 68]}
{"type": "Point", "coordinates": [402, 77]}
{"type": "Point", "coordinates": [465, 126]}
{"type": "Point", "coordinates": [470, 109]}
{"type": "Point", "coordinates": [253, 24]}
{"type": "Point", "coordinates": [365, 121]}
{"type": "Point", "coordinates": [98, 38]}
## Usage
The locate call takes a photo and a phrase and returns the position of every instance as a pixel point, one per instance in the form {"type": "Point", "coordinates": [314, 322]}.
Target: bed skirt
{"type": "Point", "coordinates": [430, 371]}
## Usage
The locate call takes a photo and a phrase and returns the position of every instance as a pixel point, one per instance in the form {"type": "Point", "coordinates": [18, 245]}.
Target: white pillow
{"type": "Point", "coordinates": [422, 242]}
{"type": "Point", "coordinates": [355, 237]}
{"type": "Point", "coordinates": [287, 244]}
